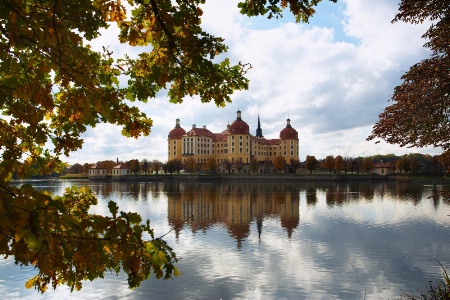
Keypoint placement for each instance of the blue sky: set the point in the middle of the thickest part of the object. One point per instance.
(331, 77)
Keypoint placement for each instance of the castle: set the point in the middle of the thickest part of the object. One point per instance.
(234, 144)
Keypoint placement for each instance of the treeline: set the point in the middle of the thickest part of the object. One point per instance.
(136, 167)
(414, 163)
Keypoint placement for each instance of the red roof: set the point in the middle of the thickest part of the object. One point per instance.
(220, 137)
(388, 165)
(121, 166)
(176, 133)
(238, 127)
(200, 132)
(98, 166)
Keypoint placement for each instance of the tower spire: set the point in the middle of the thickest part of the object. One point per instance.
(259, 130)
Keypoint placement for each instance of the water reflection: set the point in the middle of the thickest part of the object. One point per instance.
(233, 206)
(258, 240)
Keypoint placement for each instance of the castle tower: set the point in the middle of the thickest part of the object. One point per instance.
(259, 130)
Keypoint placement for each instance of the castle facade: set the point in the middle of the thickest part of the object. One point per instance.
(234, 144)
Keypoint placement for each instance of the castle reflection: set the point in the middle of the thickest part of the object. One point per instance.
(234, 206)
(239, 205)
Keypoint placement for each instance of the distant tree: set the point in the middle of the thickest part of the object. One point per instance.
(86, 168)
(190, 165)
(145, 166)
(444, 160)
(279, 164)
(267, 164)
(311, 163)
(108, 164)
(358, 163)
(339, 164)
(239, 165)
(177, 165)
(211, 165)
(170, 167)
(134, 166)
(227, 165)
(348, 164)
(402, 164)
(76, 169)
(294, 164)
(414, 165)
(436, 165)
(156, 166)
(367, 164)
(328, 163)
(254, 165)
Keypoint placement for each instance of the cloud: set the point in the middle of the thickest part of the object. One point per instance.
(332, 78)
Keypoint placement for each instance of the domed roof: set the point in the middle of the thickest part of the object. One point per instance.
(288, 133)
(177, 132)
(238, 126)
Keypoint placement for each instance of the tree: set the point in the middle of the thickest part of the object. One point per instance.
(211, 165)
(177, 165)
(367, 164)
(145, 166)
(134, 165)
(414, 165)
(420, 113)
(76, 169)
(239, 165)
(190, 165)
(311, 163)
(108, 164)
(169, 167)
(227, 165)
(156, 166)
(358, 163)
(279, 163)
(294, 164)
(254, 165)
(328, 163)
(339, 164)
(54, 86)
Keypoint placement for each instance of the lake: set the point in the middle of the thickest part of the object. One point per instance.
(263, 240)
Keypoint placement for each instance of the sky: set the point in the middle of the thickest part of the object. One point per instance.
(331, 77)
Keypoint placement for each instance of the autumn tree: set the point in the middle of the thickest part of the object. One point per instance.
(108, 164)
(420, 113)
(54, 86)
(328, 163)
(311, 163)
(211, 165)
(76, 169)
(339, 164)
(134, 166)
(279, 163)
(367, 164)
(86, 168)
(190, 165)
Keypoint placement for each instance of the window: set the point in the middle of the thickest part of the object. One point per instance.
(240, 137)
(240, 150)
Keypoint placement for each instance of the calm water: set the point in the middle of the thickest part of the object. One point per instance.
(273, 240)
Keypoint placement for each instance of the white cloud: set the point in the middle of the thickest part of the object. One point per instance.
(331, 77)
